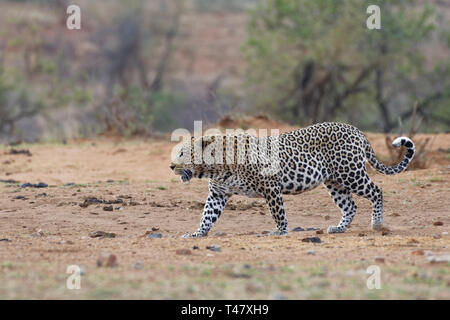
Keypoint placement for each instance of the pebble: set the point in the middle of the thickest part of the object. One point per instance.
(279, 296)
(312, 239)
(107, 260)
(37, 234)
(379, 259)
(108, 208)
(102, 234)
(412, 241)
(138, 266)
(299, 229)
(438, 223)
(152, 235)
(214, 247)
(184, 252)
(34, 185)
(439, 259)
(311, 252)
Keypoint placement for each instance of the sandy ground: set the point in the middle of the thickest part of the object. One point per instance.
(44, 230)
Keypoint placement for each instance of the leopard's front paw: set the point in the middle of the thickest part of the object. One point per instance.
(278, 233)
(196, 234)
(336, 229)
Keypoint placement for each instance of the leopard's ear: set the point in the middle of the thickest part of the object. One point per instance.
(206, 141)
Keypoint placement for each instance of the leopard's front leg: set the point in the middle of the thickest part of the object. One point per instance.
(214, 206)
(275, 202)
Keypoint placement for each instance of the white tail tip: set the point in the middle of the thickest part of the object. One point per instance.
(400, 141)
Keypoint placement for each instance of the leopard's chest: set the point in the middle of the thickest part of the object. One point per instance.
(235, 184)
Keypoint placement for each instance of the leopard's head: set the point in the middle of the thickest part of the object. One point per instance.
(194, 159)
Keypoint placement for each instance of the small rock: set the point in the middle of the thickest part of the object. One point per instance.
(379, 259)
(20, 151)
(436, 236)
(102, 234)
(184, 252)
(428, 253)
(240, 275)
(5, 240)
(108, 208)
(412, 241)
(312, 239)
(65, 242)
(279, 296)
(155, 228)
(107, 260)
(439, 259)
(298, 229)
(361, 234)
(265, 232)
(20, 198)
(87, 202)
(34, 185)
(444, 233)
(438, 223)
(152, 235)
(311, 252)
(418, 253)
(214, 247)
(37, 234)
(138, 266)
(319, 231)
(195, 248)
(10, 181)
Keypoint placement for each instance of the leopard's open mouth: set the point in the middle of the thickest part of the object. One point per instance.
(186, 176)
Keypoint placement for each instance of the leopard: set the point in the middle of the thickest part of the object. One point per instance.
(331, 153)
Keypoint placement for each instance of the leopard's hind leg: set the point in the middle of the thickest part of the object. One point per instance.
(343, 198)
(274, 200)
(361, 185)
(375, 194)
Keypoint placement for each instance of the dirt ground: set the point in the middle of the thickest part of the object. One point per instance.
(44, 230)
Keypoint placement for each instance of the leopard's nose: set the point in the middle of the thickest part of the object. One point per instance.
(172, 166)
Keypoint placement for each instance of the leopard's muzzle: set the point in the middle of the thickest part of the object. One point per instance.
(186, 174)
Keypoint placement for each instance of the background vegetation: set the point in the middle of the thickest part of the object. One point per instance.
(139, 67)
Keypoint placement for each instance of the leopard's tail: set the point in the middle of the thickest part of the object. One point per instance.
(400, 167)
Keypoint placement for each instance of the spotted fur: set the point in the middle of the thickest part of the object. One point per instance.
(330, 153)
